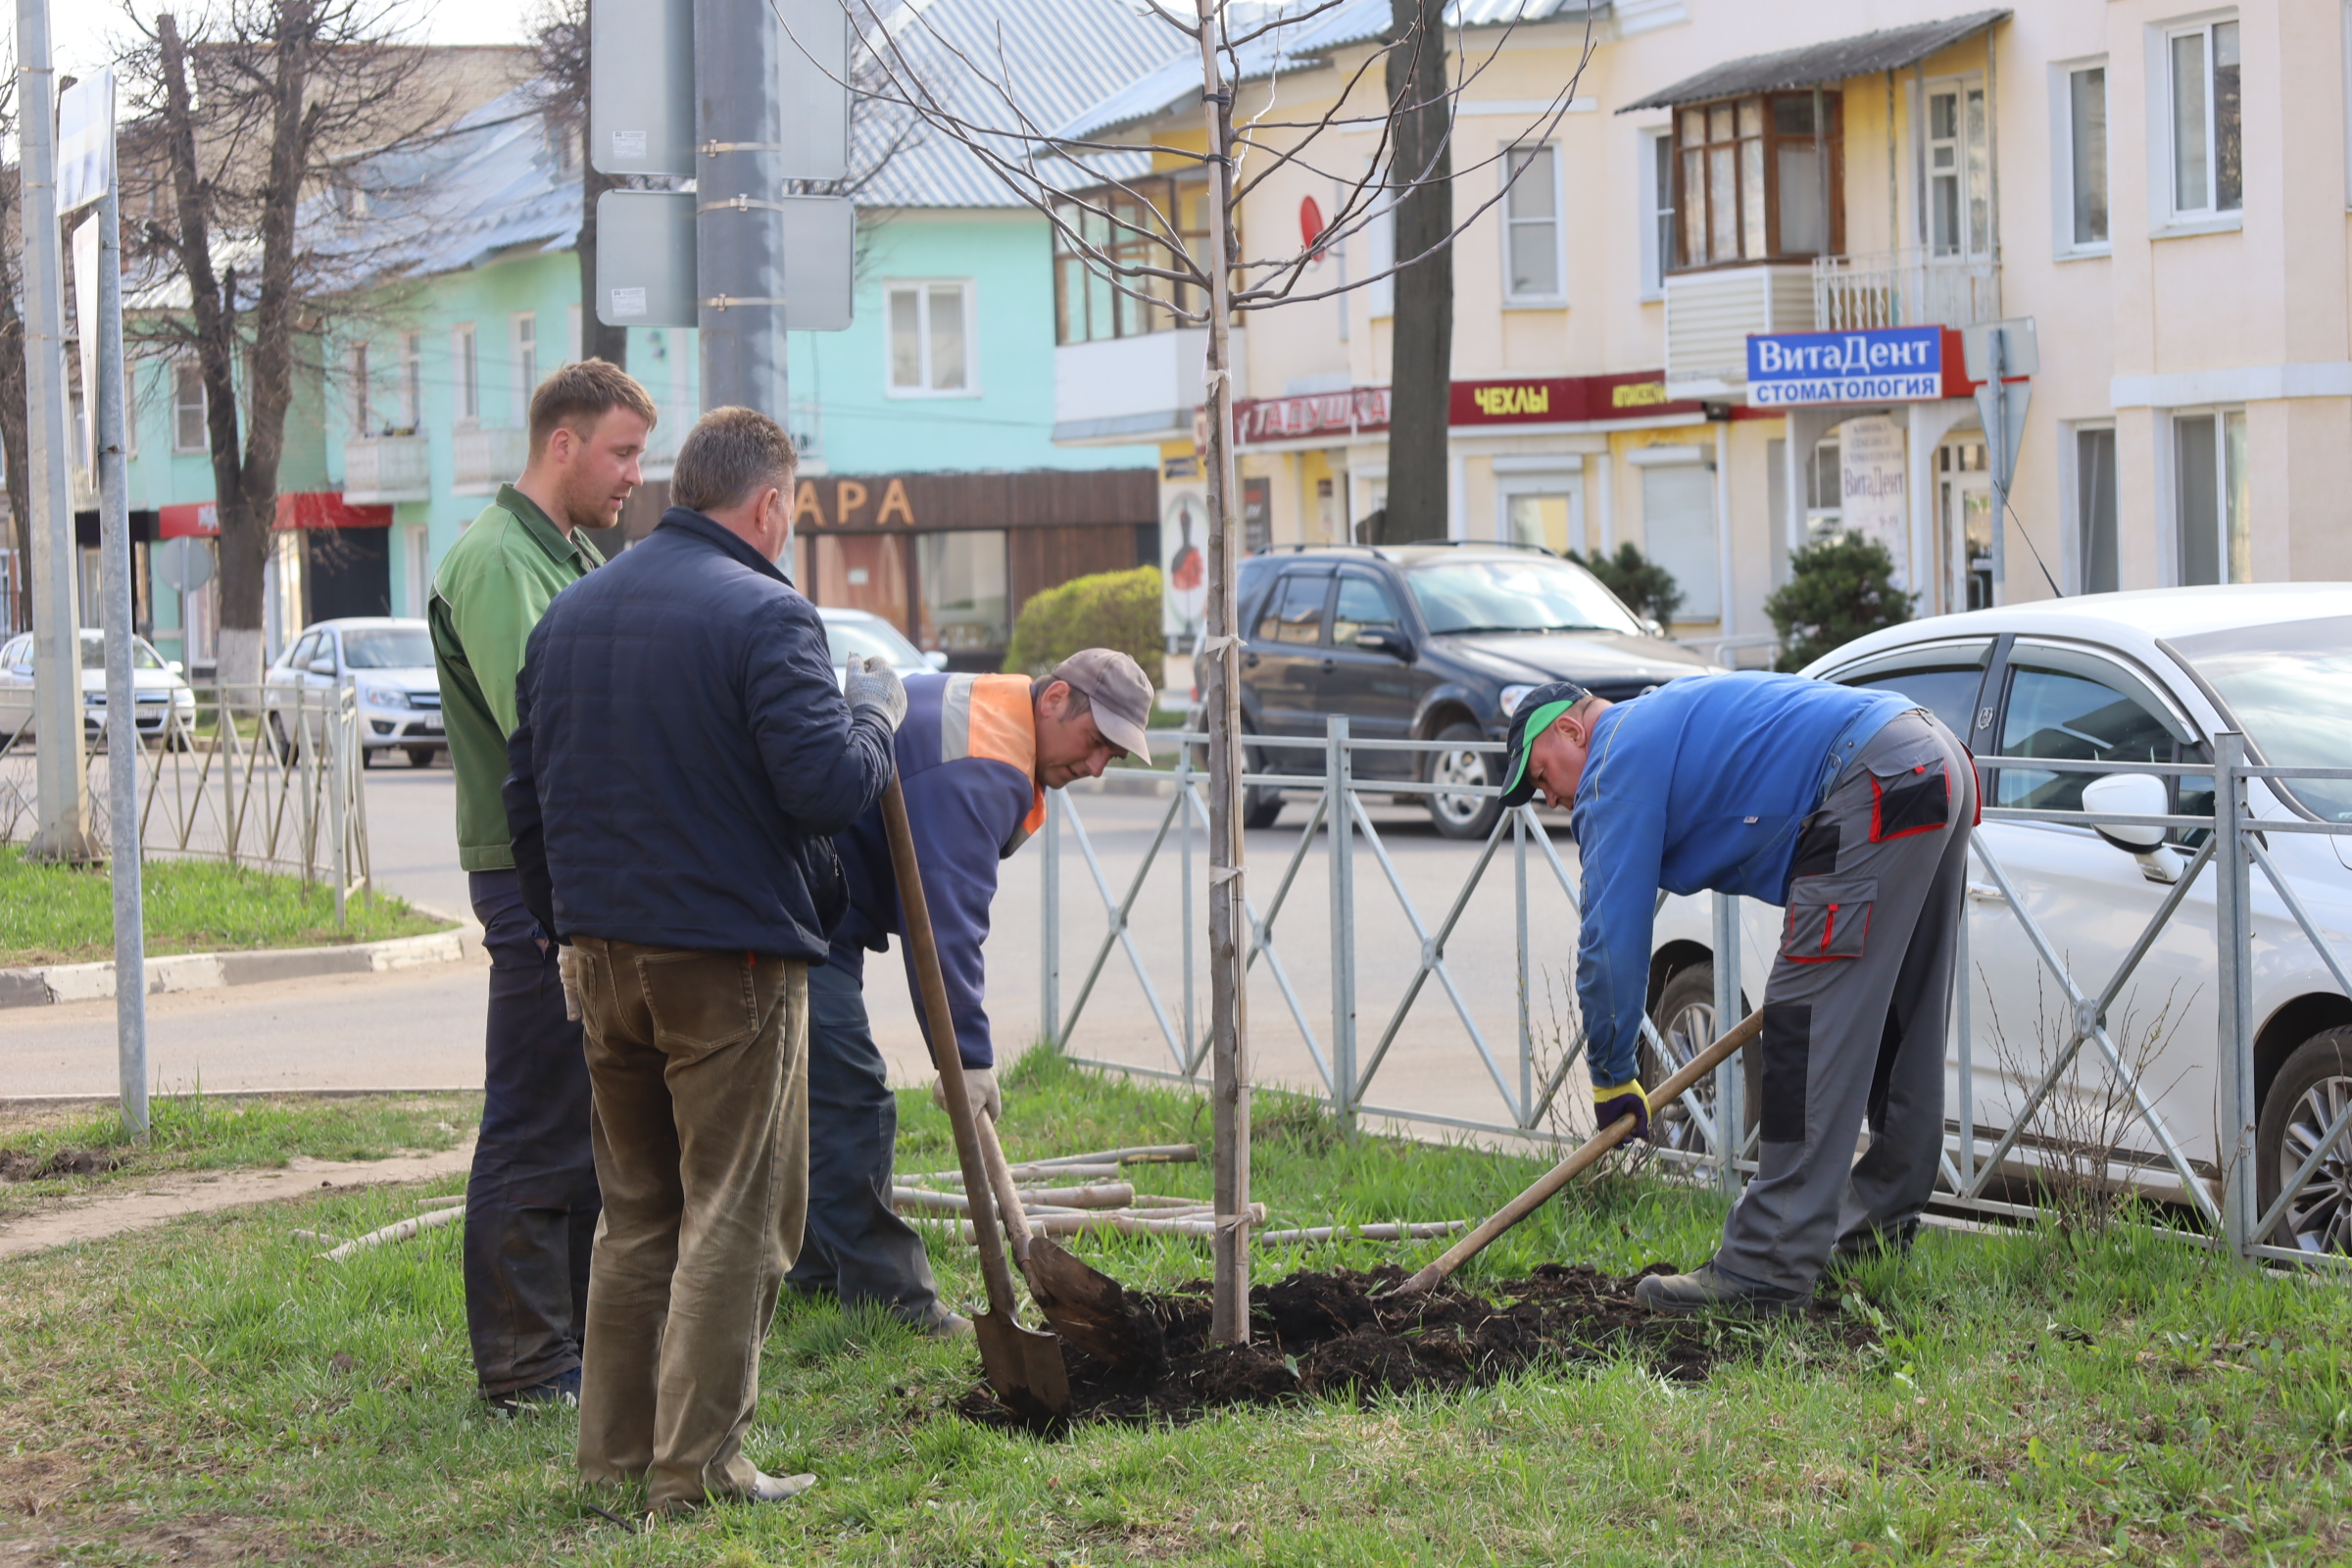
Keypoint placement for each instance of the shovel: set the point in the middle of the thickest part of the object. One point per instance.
(1567, 1170)
(1023, 1366)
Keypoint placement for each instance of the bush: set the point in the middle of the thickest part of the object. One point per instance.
(1647, 588)
(1110, 610)
(1839, 588)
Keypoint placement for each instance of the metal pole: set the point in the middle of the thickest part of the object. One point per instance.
(1341, 848)
(1968, 1056)
(739, 223)
(338, 801)
(121, 689)
(1183, 858)
(1730, 1099)
(63, 830)
(1050, 980)
(1997, 342)
(2234, 1057)
(1527, 1034)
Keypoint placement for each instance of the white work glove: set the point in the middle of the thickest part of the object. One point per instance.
(568, 965)
(872, 683)
(980, 1083)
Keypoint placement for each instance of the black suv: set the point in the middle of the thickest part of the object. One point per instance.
(1426, 642)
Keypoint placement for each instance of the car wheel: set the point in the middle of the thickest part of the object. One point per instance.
(1685, 1017)
(2309, 1093)
(1464, 817)
(279, 742)
(421, 755)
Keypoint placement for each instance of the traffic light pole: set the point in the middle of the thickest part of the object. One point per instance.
(739, 221)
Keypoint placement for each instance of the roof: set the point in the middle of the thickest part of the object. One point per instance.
(1815, 64)
(2131, 620)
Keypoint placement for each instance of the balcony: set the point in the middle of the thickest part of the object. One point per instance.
(1905, 288)
(487, 456)
(380, 468)
(1118, 391)
(1710, 314)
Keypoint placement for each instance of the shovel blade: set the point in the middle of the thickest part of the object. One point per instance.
(1090, 1309)
(1023, 1366)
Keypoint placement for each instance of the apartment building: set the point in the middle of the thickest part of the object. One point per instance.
(2157, 191)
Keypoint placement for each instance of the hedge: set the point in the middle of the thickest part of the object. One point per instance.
(1110, 610)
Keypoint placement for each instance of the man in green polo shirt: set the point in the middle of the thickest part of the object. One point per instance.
(531, 1204)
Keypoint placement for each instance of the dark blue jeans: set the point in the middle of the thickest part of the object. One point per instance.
(531, 1204)
(854, 1246)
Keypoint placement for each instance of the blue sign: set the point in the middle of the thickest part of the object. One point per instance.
(1877, 365)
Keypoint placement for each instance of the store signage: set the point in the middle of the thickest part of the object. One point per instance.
(1535, 399)
(1364, 408)
(311, 508)
(849, 510)
(1880, 365)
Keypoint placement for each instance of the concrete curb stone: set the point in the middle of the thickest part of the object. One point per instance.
(49, 984)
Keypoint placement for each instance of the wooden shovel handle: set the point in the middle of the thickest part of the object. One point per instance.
(915, 916)
(1567, 1170)
(1009, 1193)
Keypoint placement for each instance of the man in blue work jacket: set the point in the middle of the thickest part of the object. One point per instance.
(1853, 810)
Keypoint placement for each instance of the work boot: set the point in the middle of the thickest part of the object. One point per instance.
(944, 1324)
(559, 1393)
(1707, 1289)
(777, 1489)
(1869, 1246)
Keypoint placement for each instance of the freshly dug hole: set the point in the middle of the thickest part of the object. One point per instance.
(1316, 1334)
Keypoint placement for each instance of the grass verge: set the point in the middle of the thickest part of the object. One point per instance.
(66, 914)
(211, 1390)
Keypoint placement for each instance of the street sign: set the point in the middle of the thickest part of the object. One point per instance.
(86, 140)
(641, 88)
(1877, 365)
(646, 257)
(181, 564)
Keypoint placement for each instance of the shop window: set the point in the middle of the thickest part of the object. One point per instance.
(2082, 161)
(1127, 227)
(930, 339)
(1258, 514)
(2210, 502)
(187, 406)
(1959, 173)
(2095, 556)
(1751, 182)
(2208, 174)
(1825, 489)
(863, 571)
(1532, 247)
(961, 576)
(1678, 517)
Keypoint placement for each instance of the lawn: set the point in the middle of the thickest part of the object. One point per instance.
(212, 1390)
(66, 914)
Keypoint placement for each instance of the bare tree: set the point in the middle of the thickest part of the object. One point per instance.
(1421, 332)
(13, 431)
(560, 45)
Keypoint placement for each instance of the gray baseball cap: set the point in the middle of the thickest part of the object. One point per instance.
(1120, 692)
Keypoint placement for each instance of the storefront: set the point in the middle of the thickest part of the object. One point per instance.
(327, 559)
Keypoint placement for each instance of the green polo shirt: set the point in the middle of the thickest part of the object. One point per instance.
(491, 590)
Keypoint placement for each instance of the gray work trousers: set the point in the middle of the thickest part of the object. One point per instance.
(1855, 1013)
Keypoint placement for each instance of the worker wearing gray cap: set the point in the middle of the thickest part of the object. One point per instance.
(976, 755)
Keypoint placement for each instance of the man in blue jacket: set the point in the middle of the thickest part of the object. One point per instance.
(1852, 808)
(682, 758)
(975, 756)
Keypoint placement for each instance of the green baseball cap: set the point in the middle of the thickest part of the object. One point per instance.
(1534, 715)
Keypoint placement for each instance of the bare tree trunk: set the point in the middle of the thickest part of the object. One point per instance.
(13, 431)
(1421, 352)
(597, 340)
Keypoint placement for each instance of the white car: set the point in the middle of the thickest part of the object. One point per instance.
(2146, 676)
(166, 706)
(859, 632)
(388, 661)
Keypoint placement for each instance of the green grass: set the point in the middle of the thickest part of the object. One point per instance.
(2028, 1398)
(66, 914)
(194, 1132)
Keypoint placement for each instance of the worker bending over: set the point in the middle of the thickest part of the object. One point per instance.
(1851, 808)
(975, 757)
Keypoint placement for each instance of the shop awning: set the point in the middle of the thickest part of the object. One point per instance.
(1821, 64)
(308, 509)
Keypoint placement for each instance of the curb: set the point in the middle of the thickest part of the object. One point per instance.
(23, 1103)
(54, 983)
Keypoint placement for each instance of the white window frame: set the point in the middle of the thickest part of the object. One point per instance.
(2175, 560)
(921, 288)
(2064, 246)
(1649, 141)
(2171, 218)
(466, 373)
(1958, 88)
(189, 367)
(2073, 569)
(1557, 296)
(522, 348)
(1565, 479)
(411, 381)
(360, 391)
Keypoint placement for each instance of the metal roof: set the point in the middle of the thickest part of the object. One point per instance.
(1817, 63)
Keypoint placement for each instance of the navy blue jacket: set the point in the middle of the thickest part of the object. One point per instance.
(1703, 783)
(967, 760)
(682, 755)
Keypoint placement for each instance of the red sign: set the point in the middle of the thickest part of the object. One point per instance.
(1542, 400)
(1358, 409)
(309, 508)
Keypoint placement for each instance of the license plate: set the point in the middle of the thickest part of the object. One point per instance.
(429, 727)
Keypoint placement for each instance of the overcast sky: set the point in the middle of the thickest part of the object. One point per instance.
(79, 29)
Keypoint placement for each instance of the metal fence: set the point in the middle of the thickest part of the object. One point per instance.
(259, 776)
(1526, 1079)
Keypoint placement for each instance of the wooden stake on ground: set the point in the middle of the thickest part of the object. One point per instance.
(399, 1232)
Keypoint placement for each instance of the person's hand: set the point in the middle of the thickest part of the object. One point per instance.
(980, 1083)
(1610, 1104)
(567, 967)
(872, 683)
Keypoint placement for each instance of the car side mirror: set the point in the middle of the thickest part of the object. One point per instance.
(2129, 795)
(177, 667)
(1384, 640)
(936, 659)
(322, 667)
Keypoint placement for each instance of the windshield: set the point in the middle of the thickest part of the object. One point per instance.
(1535, 594)
(870, 638)
(388, 648)
(93, 655)
(2291, 685)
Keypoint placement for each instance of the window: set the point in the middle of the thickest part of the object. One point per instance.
(2209, 481)
(1531, 225)
(2081, 708)
(1295, 613)
(1959, 173)
(1942, 680)
(1119, 225)
(412, 380)
(1825, 489)
(355, 374)
(1257, 513)
(1678, 515)
(1753, 184)
(1364, 606)
(467, 370)
(930, 339)
(1655, 177)
(2083, 216)
(964, 606)
(525, 330)
(2208, 176)
(2095, 553)
(188, 420)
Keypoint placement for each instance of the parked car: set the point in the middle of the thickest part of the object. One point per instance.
(2126, 677)
(165, 704)
(1426, 642)
(857, 631)
(388, 661)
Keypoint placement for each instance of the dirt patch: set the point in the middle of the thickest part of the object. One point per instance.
(1323, 1334)
(19, 1166)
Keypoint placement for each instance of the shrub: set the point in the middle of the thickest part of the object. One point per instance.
(1839, 588)
(1647, 588)
(1110, 610)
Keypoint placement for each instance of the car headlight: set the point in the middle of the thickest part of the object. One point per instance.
(1512, 696)
(383, 697)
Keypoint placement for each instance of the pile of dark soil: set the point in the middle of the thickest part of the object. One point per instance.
(16, 1166)
(1322, 1334)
